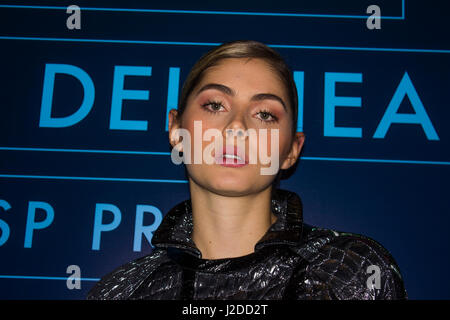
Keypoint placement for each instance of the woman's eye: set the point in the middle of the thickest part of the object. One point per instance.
(266, 116)
(213, 106)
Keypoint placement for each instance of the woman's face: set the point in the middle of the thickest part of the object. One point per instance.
(239, 95)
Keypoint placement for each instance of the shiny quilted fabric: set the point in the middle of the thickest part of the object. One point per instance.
(292, 261)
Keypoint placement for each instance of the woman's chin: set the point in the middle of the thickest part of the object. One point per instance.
(236, 184)
(227, 186)
(225, 192)
(231, 182)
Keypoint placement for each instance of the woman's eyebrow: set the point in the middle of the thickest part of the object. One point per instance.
(231, 92)
(217, 86)
(268, 96)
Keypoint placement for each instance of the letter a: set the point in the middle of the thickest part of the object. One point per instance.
(74, 280)
(374, 21)
(73, 21)
(406, 88)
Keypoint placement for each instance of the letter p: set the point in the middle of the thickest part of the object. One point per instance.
(99, 227)
(32, 224)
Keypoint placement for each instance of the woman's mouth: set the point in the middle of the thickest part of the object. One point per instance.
(231, 156)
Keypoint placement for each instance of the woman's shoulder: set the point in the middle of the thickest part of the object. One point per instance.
(320, 239)
(350, 265)
(124, 280)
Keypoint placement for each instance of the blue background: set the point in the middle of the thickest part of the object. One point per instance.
(392, 189)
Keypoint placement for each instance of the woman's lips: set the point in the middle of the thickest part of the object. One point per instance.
(231, 156)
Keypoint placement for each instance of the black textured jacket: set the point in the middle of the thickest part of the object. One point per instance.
(291, 261)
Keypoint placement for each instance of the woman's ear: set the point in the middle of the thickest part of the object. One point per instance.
(174, 125)
(294, 153)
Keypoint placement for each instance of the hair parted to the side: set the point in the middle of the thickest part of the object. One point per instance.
(242, 49)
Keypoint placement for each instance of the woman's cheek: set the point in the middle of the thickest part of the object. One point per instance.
(278, 145)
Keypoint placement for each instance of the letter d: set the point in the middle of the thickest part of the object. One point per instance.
(47, 96)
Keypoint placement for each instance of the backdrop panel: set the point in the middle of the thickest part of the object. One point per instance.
(85, 168)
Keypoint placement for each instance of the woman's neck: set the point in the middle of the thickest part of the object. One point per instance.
(227, 227)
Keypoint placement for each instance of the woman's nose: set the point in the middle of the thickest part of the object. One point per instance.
(240, 133)
(236, 126)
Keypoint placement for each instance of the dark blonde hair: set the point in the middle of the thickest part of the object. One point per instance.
(242, 49)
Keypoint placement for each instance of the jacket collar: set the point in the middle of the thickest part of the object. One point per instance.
(176, 227)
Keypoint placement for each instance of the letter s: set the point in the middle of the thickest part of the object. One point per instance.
(3, 225)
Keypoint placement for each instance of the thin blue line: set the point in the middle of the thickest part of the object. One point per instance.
(87, 151)
(359, 48)
(46, 278)
(216, 44)
(403, 9)
(377, 160)
(168, 154)
(273, 14)
(180, 43)
(20, 176)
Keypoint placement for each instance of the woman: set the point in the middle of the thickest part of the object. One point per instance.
(239, 237)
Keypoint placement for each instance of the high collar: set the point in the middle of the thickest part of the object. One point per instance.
(176, 227)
